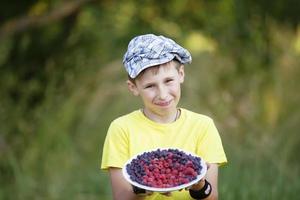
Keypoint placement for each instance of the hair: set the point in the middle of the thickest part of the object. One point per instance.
(177, 66)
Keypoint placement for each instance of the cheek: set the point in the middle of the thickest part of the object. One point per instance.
(175, 88)
(148, 95)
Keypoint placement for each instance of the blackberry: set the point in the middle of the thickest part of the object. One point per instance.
(164, 168)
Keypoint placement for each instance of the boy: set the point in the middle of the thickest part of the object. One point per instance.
(155, 67)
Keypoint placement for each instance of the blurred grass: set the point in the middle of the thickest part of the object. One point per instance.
(257, 115)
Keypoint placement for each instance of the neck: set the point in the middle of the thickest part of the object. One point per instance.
(167, 118)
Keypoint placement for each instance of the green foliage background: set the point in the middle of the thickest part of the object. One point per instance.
(62, 82)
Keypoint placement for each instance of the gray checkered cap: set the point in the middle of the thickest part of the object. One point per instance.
(149, 50)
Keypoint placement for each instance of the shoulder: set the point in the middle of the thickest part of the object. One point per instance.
(190, 115)
(127, 118)
(122, 124)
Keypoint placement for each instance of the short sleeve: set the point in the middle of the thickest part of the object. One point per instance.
(115, 148)
(210, 146)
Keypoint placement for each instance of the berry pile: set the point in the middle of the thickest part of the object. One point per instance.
(164, 168)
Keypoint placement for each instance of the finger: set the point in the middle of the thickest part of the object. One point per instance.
(167, 194)
(208, 165)
(149, 193)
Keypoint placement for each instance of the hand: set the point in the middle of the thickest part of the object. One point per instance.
(168, 194)
(139, 191)
(199, 185)
(143, 192)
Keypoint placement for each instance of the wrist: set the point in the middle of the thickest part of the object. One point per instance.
(202, 193)
(138, 191)
(199, 185)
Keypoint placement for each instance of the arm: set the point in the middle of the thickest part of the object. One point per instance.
(121, 189)
(212, 178)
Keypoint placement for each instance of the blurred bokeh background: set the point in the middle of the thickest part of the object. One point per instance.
(62, 82)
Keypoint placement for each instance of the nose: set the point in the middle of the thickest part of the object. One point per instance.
(162, 92)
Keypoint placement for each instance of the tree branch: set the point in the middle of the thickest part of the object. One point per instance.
(22, 24)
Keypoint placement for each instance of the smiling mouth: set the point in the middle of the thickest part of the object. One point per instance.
(165, 103)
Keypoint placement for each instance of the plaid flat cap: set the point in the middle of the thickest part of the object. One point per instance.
(149, 50)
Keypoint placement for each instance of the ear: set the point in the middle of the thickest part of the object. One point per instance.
(181, 73)
(132, 88)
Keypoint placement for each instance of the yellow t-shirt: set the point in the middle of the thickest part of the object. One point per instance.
(134, 133)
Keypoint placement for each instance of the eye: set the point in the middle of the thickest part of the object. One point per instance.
(149, 86)
(169, 80)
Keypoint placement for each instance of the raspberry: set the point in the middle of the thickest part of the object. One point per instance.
(164, 168)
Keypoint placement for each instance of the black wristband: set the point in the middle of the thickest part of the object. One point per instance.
(137, 190)
(203, 192)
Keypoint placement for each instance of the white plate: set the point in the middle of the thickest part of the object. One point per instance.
(154, 189)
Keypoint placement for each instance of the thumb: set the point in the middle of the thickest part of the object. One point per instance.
(208, 165)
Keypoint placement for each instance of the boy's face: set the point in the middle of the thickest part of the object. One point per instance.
(159, 87)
